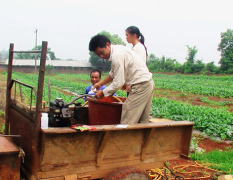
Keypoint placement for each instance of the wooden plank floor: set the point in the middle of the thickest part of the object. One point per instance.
(159, 120)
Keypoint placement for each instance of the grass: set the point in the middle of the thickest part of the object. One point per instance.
(211, 121)
(218, 103)
(2, 114)
(195, 140)
(2, 125)
(219, 160)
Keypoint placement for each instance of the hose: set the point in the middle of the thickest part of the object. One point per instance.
(118, 99)
(80, 96)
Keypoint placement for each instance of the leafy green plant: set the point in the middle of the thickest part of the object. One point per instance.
(212, 121)
(220, 160)
(195, 140)
(3, 128)
(220, 86)
(2, 114)
(183, 94)
(165, 92)
(224, 103)
(205, 99)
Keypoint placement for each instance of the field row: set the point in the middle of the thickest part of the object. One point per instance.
(212, 121)
(220, 86)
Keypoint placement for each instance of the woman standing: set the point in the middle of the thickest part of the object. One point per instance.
(134, 37)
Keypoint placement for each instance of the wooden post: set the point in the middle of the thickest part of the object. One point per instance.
(37, 125)
(8, 90)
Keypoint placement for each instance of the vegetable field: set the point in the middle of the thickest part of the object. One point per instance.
(216, 121)
(221, 86)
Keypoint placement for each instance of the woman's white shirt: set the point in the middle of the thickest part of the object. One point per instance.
(139, 48)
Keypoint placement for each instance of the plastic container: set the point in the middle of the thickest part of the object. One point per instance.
(44, 121)
(105, 111)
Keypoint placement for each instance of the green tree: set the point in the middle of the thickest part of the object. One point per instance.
(99, 63)
(154, 64)
(212, 68)
(179, 68)
(226, 49)
(192, 65)
(198, 67)
(161, 65)
(50, 54)
(170, 64)
(192, 52)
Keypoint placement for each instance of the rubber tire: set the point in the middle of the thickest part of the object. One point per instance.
(128, 173)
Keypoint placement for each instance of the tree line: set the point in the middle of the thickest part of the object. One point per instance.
(192, 64)
(163, 64)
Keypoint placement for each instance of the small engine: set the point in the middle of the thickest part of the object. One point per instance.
(59, 113)
(61, 116)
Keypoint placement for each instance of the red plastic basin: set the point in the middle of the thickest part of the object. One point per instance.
(105, 111)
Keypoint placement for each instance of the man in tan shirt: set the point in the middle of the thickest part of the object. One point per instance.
(126, 68)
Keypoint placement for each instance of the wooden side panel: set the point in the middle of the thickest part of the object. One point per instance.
(21, 125)
(67, 150)
(164, 141)
(9, 160)
(9, 166)
(96, 153)
(186, 140)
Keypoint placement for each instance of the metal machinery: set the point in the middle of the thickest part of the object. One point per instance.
(64, 153)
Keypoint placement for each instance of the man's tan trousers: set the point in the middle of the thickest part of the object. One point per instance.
(137, 107)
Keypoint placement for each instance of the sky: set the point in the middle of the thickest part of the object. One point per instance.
(68, 25)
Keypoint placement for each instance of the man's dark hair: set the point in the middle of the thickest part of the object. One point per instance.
(98, 41)
(96, 71)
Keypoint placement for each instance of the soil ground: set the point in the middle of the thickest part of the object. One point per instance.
(203, 142)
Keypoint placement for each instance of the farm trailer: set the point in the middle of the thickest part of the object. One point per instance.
(65, 153)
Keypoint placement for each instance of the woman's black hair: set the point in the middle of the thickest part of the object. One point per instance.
(135, 30)
(96, 70)
(98, 41)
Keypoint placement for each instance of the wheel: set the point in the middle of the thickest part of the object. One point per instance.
(128, 173)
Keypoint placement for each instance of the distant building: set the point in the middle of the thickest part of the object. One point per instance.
(61, 66)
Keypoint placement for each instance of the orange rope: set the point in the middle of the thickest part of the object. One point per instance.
(161, 173)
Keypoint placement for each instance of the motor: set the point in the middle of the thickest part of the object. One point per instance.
(60, 114)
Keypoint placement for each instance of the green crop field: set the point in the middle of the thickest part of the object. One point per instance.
(221, 86)
(212, 121)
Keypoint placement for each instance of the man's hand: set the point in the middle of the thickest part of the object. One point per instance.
(99, 94)
(96, 86)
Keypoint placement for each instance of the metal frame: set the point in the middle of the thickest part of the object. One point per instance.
(58, 153)
(36, 127)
